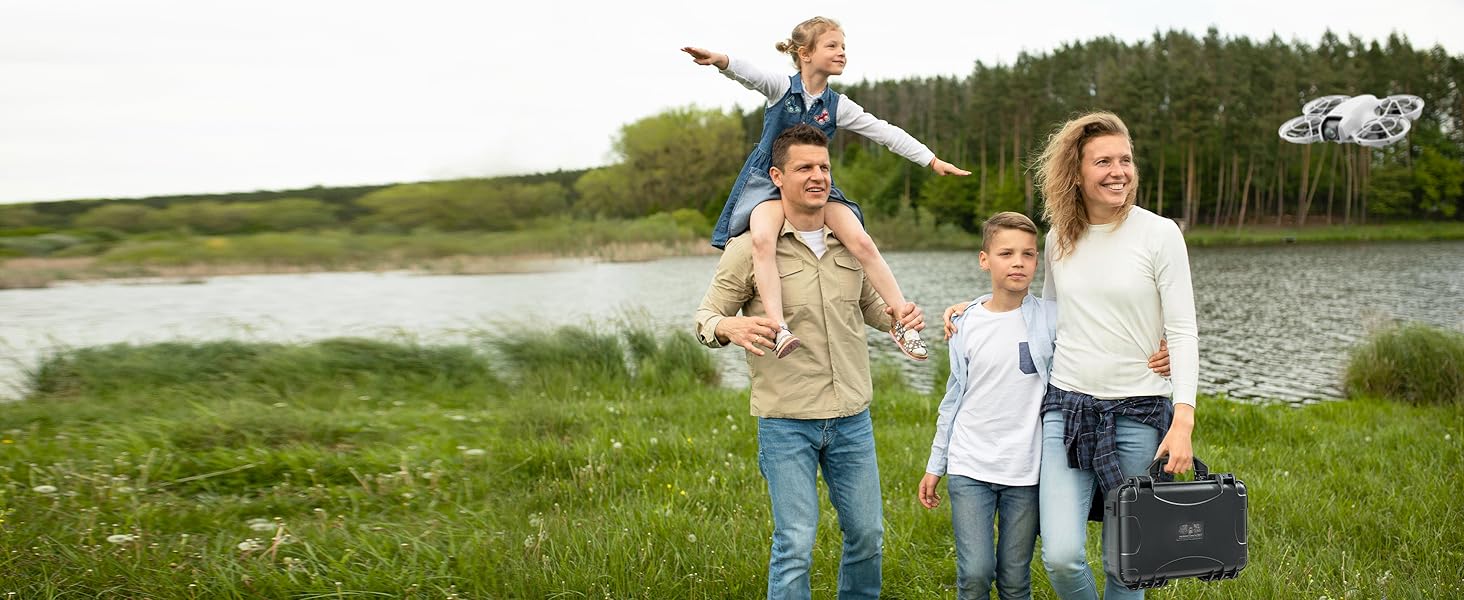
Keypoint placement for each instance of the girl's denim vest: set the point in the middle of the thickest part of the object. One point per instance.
(754, 186)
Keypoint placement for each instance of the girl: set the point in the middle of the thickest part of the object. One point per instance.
(817, 49)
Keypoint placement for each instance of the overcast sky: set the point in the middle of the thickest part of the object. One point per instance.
(100, 98)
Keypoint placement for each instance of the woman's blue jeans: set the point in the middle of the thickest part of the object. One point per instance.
(1066, 495)
(790, 453)
(982, 556)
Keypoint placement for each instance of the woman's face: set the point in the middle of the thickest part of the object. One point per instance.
(1106, 172)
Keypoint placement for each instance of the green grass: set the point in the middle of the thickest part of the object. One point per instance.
(574, 463)
(1412, 363)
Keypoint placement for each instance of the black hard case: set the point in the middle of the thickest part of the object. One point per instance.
(1161, 530)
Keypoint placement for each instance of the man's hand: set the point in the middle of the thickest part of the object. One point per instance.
(703, 56)
(911, 317)
(748, 332)
(928, 498)
(950, 313)
(944, 168)
(1159, 361)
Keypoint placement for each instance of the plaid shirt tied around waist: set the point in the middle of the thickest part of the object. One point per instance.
(1090, 430)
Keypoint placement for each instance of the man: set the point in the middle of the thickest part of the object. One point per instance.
(813, 406)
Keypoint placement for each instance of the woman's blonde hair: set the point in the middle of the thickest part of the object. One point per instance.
(804, 35)
(1058, 173)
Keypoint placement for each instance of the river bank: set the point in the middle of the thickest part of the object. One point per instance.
(185, 258)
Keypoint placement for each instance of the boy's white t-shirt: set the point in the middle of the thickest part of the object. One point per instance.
(997, 435)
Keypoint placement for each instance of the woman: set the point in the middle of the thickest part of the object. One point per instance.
(1120, 275)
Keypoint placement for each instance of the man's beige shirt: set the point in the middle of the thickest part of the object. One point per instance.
(827, 301)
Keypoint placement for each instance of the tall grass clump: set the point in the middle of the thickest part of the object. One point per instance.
(1414, 363)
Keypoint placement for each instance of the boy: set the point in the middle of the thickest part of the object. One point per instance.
(988, 434)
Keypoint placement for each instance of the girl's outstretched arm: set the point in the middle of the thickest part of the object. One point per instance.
(702, 56)
(944, 168)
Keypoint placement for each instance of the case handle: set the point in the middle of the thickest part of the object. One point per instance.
(1201, 471)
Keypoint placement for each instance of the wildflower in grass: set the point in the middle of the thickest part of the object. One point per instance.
(474, 452)
(251, 545)
(616, 445)
(121, 538)
(655, 441)
(457, 417)
(712, 480)
(262, 526)
(44, 489)
(691, 537)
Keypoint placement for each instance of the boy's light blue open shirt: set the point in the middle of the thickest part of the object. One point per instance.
(1041, 319)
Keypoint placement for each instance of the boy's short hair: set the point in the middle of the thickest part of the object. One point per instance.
(1005, 220)
(801, 134)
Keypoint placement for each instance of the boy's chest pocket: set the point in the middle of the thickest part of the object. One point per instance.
(1024, 359)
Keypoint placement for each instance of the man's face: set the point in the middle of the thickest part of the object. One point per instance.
(805, 178)
(1011, 256)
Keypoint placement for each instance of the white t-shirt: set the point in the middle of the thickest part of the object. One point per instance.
(815, 241)
(1121, 289)
(997, 435)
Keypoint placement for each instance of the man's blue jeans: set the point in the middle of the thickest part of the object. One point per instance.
(980, 555)
(1065, 497)
(790, 453)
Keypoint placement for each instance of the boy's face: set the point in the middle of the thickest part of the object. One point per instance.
(1011, 257)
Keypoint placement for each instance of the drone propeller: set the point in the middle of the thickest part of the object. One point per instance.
(1304, 129)
(1401, 105)
(1320, 106)
(1382, 131)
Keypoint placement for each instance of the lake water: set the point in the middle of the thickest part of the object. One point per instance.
(1275, 322)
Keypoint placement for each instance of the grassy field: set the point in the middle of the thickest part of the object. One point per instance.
(575, 464)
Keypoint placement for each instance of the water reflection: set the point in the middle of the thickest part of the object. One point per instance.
(1275, 322)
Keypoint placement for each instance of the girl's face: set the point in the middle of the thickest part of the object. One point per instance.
(826, 54)
(1107, 172)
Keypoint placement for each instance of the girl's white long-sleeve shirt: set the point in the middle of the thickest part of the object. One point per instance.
(851, 117)
(1122, 288)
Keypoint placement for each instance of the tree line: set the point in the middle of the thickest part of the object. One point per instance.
(1203, 113)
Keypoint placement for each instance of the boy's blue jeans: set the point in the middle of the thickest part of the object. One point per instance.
(982, 556)
(1065, 496)
(790, 453)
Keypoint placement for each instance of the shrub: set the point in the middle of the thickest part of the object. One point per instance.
(1414, 363)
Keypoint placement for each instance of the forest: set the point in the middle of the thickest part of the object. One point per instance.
(1203, 112)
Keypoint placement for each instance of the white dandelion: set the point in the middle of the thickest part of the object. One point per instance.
(474, 452)
(251, 545)
(262, 526)
(121, 538)
(44, 489)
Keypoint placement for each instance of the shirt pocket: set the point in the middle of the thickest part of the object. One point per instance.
(1024, 359)
(849, 278)
(793, 277)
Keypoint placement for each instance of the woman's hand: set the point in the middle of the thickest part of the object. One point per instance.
(950, 313)
(928, 498)
(1159, 361)
(1176, 443)
(944, 168)
(702, 56)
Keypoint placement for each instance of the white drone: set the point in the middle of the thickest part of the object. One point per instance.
(1363, 120)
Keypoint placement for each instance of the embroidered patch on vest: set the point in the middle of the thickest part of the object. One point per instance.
(791, 105)
(822, 117)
